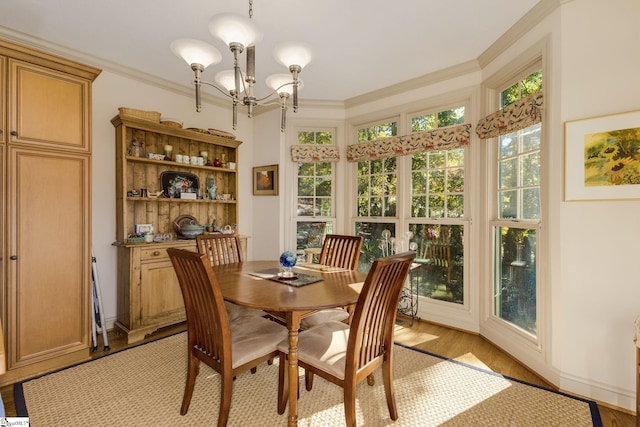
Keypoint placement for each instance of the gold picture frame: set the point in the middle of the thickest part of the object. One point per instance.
(265, 180)
(601, 157)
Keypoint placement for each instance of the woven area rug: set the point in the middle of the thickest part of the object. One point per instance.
(143, 386)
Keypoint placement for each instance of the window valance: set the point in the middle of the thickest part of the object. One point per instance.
(309, 153)
(519, 115)
(436, 139)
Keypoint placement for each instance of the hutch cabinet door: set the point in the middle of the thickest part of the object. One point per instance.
(48, 107)
(161, 301)
(49, 266)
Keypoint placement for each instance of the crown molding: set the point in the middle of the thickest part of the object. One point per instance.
(519, 29)
(409, 85)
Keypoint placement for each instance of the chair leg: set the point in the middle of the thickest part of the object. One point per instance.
(350, 404)
(226, 389)
(192, 373)
(371, 380)
(387, 375)
(254, 370)
(308, 379)
(283, 385)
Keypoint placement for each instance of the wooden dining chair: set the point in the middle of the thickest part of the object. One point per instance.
(340, 251)
(223, 249)
(347, 354)
(230, 348)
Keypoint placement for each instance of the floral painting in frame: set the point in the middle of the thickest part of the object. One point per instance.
(602, 157)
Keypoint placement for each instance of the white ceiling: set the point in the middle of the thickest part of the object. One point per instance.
(359, 45)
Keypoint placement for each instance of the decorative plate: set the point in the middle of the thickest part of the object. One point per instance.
(178, 180)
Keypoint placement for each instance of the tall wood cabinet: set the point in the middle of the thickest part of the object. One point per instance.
(45, 209)
(148, 293)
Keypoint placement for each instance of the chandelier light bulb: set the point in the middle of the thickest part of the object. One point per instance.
(275, 81)
(232, 28)
(196, 52)
(226, 79)
(293, 53)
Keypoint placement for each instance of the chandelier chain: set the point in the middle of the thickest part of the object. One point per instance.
(250, 9)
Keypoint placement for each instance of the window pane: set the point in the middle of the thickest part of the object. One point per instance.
(455, 206)
(440, 253)
(451, 117)
(508, 145)
(374, 244)
(455, 180)
(305, 169)
(418, 207)
(515, 290)
(531, 203)
(325, 207)
(418, 161)
(323, 187)
(305, 186)
(531, 138)
(530, 167)
(508, 204)
(305, 206)
(418, 183)
(508, 173)
(363, 206)
(311, 235)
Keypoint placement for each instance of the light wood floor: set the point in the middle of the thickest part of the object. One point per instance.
(447, 342)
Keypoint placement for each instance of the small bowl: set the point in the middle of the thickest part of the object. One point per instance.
(154, 194)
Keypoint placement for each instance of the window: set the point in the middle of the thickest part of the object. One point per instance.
(437, 211)
(315, 213)
(518, 215)
(376, 196)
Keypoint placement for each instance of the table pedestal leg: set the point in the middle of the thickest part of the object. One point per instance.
(293, 323)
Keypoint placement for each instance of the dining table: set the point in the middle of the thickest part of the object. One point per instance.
(258, 284)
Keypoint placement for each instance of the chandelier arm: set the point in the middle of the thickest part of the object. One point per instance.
(222, 91)
(274, 92)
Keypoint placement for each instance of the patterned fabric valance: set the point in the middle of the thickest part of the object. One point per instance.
(519, 115)
(309, 153)
(437, 139)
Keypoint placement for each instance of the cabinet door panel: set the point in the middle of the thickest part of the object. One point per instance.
(48, 108)
(161, 301)
(49, 284)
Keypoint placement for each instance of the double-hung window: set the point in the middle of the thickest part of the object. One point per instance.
(377, 193)
(517, 213)
(437, 207)
(315, 200)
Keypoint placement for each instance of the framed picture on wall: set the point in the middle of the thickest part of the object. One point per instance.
(265, 180)
(602, 157)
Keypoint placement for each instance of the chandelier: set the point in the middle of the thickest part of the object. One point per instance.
(240, 34)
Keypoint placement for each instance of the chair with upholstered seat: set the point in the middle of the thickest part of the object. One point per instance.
(223, 249)
(230, 348)
(347, 354)
(339, 251)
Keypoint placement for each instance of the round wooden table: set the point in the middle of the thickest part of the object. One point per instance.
(337, 288)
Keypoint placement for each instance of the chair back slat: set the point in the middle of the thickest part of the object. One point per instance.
(375, 313)
(341, 251)
(207, 321)
(220, 249)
